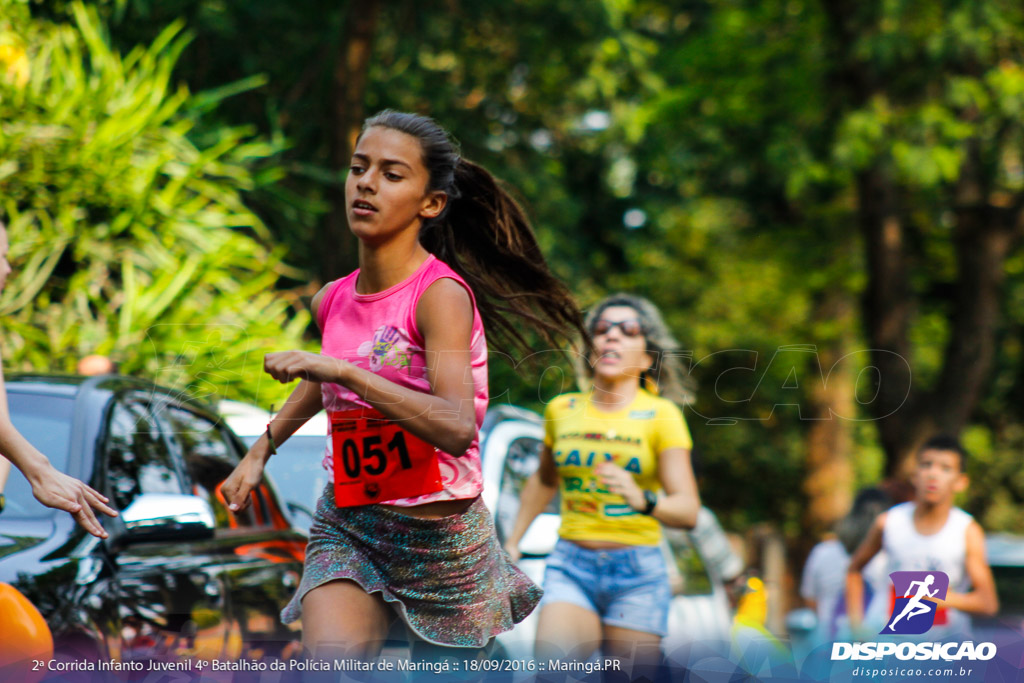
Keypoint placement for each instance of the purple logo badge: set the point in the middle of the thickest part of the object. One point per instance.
(913, 612)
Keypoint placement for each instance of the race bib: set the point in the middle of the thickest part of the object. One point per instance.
(941, 613)
(376, 460)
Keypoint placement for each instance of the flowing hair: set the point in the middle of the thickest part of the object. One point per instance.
(667, 376)
(484, 236)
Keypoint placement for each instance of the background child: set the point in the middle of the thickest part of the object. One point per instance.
(929, 533)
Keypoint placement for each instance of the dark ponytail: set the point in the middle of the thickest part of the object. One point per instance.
(484, 236)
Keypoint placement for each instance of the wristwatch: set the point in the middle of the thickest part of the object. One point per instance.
(3, 502)
(651, 498)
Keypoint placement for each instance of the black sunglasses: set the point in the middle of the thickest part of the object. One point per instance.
(630, 328)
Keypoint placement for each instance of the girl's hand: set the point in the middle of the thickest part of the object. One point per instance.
(288, 366)
(57, 490)
(619, 481)
(238, 487)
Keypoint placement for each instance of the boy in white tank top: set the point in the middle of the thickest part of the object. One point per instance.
(929, 533)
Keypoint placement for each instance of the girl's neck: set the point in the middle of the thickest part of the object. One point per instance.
(385, 265)
(611, 395)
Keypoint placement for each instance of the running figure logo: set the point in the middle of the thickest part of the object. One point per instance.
(913, 612)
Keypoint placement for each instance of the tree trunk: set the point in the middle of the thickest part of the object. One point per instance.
(887, 309)
(339, 252)
(829, 442)
(983, 238)
(905, 412)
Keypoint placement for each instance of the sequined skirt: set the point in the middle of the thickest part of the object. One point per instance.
(448, 578)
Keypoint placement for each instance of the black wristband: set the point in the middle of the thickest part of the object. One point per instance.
(652, 502)
(270, 438)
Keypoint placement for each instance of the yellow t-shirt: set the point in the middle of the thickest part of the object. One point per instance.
(580, 437)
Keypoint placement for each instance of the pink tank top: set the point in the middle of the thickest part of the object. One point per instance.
(378, 332)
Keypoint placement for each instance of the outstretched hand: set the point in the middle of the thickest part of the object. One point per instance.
(57, 490)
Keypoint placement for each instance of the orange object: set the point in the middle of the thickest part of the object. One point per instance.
(24, 637)
(941, 613)
(276, 551)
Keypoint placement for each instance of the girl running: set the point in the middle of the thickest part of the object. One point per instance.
(444, 252)
(610, 449)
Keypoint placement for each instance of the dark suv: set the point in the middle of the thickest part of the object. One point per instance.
(180, 575)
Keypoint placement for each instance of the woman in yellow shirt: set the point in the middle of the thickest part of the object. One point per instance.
(619, 452)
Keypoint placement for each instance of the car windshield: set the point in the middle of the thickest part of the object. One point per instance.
(45, 421)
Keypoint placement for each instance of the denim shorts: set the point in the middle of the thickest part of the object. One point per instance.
(625, 587)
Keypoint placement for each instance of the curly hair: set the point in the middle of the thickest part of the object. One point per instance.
(667, 375)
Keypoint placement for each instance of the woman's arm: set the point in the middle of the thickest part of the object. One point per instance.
(681, 504)
(538, 491)
(444, 418)
(304, 403)
(51, 487)
(982, 599)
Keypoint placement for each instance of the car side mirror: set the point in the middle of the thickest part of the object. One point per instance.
(165, 517)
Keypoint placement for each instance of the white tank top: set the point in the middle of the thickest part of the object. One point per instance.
(945, 551)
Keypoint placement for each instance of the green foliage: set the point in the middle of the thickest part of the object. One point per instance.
(128, 237)
(761, 123)
(725, 129)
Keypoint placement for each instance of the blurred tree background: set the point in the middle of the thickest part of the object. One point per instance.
(127, 221)
(825, 198)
